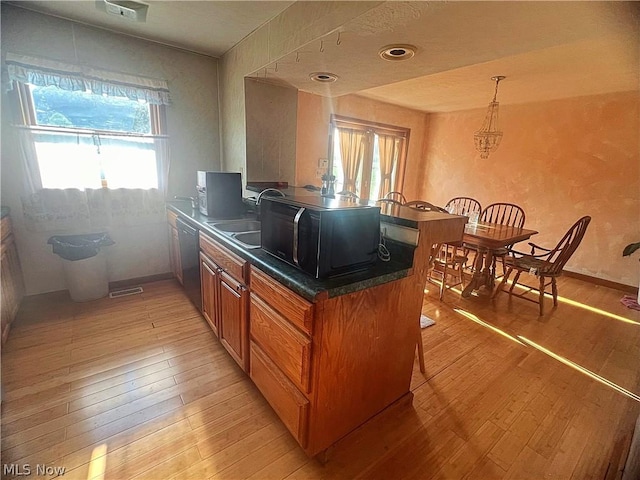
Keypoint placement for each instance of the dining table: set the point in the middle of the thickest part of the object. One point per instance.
(487, 239)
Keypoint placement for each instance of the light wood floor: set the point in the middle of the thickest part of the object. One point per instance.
(138, 387)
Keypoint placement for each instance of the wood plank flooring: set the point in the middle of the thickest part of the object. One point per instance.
(138, 387)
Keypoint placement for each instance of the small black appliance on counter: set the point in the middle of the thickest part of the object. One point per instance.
(220, 194)
(321, 236)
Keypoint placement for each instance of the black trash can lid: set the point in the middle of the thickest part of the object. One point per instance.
(79, 247)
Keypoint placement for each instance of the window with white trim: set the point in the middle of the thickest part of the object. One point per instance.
(84, 140)
(82, 127)
(367, 158)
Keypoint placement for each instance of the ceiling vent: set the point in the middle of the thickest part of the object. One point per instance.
(133, 11)
(397, 52)
(323, 77)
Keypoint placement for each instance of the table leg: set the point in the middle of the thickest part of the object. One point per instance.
(489, 277)
(477, 278)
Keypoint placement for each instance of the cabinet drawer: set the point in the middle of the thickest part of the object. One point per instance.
(290, 305)
(289, 349)
(227, 260)
(171, 218)
(291, 406)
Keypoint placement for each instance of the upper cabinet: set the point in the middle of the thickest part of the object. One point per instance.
(271, 115)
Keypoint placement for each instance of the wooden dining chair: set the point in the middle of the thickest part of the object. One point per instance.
(424, 206)
(545, 265)
(502, 214)
(389, 201)
(348, 196)
(398, 196)
(451, 258)
(465, 206)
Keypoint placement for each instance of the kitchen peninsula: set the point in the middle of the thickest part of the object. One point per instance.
(326, 354)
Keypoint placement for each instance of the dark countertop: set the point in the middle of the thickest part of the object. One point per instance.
(305, 285)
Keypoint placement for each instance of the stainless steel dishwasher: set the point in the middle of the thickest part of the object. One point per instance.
(189, 257)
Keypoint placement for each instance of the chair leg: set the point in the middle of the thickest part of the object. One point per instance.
(554, 290)
(423, 369)
(515, 280)
(502, 283)
(541, 298)
(443, 285)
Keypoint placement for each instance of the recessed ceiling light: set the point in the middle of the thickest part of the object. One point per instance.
(323, 77)
(397, 52)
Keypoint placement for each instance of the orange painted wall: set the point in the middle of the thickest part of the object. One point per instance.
(559, 160)
(314, 113)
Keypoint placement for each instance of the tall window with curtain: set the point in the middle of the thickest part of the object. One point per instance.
(367, 158)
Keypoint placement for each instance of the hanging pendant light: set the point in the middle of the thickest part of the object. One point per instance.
(488, 137)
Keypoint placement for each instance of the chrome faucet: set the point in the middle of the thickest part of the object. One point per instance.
(274, 190)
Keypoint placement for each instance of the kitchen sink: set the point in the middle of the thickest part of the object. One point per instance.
(236, 226)
(244, 232)
(248, 239)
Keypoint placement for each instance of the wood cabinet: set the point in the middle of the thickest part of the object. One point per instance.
(10, 277)
(291, 406)
(281, 351)
(225, 297)
(174, 246)
(209, 284)
(328, 365)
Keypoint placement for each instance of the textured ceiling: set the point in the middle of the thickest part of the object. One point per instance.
(547, 50)
(207, 27)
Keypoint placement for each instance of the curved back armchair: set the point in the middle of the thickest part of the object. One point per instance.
(463, 206)
(397, 196)
(503, 214)
(547, 264)
(389, 201)
(348, 196)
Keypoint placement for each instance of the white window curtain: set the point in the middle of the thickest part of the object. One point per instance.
(72, 210)
(45, 72)
(51, 154)
(29, 157)
(389, 148)
(352, 146)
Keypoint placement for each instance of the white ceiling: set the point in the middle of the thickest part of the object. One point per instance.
(547, 50)
(207, 27)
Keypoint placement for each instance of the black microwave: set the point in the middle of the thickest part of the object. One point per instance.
(321, 236)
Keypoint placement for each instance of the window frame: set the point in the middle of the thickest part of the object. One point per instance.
(25, 114)
(371, 128)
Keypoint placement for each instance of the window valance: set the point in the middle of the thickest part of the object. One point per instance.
(45, 72)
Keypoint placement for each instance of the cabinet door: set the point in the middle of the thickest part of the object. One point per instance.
(234, 298)
(209, 283)
(7, 295)
(176, 264)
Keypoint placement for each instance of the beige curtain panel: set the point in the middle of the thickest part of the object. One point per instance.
(352, 146)
(389, 147)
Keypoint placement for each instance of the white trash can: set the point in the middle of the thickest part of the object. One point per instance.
(84, 264)
(87, 279)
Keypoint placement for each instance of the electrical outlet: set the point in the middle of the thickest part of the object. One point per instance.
(323, 163)
(320, 172)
